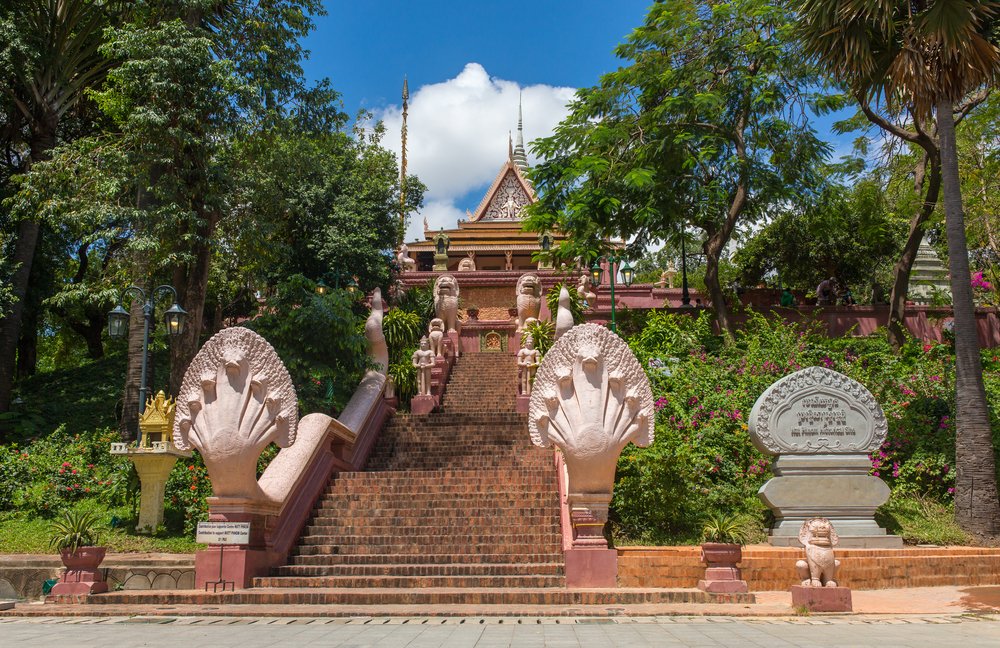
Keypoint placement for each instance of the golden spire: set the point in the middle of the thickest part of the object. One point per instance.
(402, 165)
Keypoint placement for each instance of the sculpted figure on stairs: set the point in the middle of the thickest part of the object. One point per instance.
(527, 363)
(423, 360)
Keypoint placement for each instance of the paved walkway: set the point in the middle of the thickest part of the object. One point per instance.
(406, 632)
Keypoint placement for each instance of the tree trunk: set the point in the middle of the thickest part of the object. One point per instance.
(977, 507)
(901, 271)
(713, 250)
(192, 289)
(129, 424)
(43, 140)
(27, 344)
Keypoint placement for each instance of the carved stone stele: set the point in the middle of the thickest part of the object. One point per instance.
(590, 398)
(822, 425)
(235, 400)
(529, 299)
(817, 410)
(446, 301)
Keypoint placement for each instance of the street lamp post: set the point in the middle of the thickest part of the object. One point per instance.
(352, 285)
(596, 273)
(118, 320)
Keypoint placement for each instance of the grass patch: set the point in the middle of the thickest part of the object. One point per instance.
(920, 520)
(24, 533)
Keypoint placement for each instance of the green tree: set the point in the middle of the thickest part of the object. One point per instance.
(847, 233)
(929, 54)
(49, 60)
(706, 125)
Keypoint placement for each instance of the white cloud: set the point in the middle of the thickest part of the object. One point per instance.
(457, 136)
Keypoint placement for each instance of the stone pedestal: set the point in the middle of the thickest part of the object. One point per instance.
(154, 470)
(591, 567)
(836, 486)
(422, 404)
(522, 404)
(822, 599)
(723, 580)
(153, 462)
(82, 575)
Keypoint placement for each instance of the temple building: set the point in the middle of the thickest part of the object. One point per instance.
(490, 239)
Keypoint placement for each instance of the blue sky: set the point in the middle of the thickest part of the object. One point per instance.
(467, 63)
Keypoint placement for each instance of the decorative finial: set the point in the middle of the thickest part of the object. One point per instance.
(510, 147)
(402, 164)
(519, 156)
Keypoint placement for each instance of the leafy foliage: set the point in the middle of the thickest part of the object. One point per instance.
(542, 333)
(702, 461)
(728, 528)
(320, 340)
(74, 529)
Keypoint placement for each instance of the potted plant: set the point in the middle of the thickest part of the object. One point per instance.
(723, 536)
(75, 536)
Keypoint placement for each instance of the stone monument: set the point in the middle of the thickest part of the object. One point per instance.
(406, 264)
(928, 275)
(590, 399)
(236, 399)
(819, 591)
(821, 426)
(423, 360)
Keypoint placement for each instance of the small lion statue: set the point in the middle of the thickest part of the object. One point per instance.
(446, 301)
(435, 334)
(529, 299)
(820, 567)
(467, 265)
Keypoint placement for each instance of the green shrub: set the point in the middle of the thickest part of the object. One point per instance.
(702, 461)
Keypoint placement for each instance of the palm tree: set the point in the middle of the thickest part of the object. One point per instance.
(56, 60)
(928, 54)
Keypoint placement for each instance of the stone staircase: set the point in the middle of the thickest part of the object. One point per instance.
(456, 508)
(453, 499)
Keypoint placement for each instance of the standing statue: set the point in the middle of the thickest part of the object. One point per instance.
(583, 289)
(435, 333)
(446, 301)
(529, 299)
(423, 360)
(527, 364)
(406, 264)
(820, 567)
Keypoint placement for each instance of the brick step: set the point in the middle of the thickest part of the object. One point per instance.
(310, 557)
(335, 502)
(422, 596)
(433, 486)
(404, 511)
(404, 526)
(437, 540)
(408, 581)
(426, 569)
(405, 550)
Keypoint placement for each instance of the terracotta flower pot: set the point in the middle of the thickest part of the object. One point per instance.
(84, 558)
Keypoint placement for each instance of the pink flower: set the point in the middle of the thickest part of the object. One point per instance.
(67, 464)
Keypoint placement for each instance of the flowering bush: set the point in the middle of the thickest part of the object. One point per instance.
(703, 462)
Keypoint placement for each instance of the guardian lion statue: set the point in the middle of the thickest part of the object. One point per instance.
(446, 301)
(529, 299)
(820, 567)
